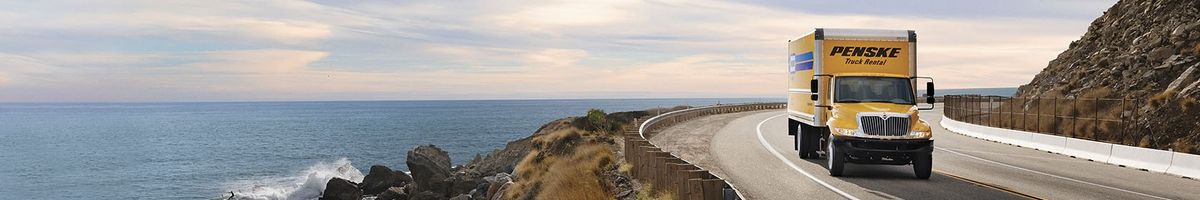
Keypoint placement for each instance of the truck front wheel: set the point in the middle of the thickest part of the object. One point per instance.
(836, 159)
(923, 164)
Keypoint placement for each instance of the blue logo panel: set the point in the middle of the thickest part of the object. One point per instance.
(800, 62)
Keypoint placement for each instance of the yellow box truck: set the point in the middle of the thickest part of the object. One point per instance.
(852, 97)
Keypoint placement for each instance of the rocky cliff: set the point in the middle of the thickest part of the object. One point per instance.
(1143, 50)
(569, 158)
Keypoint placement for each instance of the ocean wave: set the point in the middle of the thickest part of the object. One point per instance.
(306, 185)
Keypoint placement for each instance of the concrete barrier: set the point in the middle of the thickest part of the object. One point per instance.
(1051, 143)
(1155, 160)
(1141, 158)
(1187, 165)
(1019, 138)
(1087, 149)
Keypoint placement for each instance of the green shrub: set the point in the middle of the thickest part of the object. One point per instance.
(595, 121)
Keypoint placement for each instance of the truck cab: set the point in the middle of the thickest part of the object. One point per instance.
(852, 97)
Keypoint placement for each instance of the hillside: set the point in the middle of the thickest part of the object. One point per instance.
(1142, 50)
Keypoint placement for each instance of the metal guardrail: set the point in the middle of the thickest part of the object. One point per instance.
(671, 174)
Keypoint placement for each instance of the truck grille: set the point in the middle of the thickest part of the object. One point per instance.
(878, 126)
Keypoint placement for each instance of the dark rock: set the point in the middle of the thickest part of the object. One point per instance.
(427, 195)
(461, 197)
(1161, 53)
(341, 189)
(430, 168)
(495, 182)
(380, 178)
(393, 193)
(478, 194)
(462, 184)
(624, 194)
(401, 179)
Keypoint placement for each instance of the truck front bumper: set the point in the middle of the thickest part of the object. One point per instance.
(879, 151)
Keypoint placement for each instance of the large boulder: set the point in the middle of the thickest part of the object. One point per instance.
(381, 178)
(341, 189)
(430, 167)
(393, 193)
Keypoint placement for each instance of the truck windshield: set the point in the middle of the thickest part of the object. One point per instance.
(858, 89)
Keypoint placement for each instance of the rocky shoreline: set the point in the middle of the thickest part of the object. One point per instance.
(573, 158)
(432, 177)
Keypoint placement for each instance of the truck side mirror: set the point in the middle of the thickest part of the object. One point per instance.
(930, 100)
(813, 87)
(929, 89)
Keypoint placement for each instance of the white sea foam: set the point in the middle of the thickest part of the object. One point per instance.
(306, 185)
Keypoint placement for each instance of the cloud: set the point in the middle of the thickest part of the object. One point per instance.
(569, 13)
(555, 57)
(300, 50)
(267, 61)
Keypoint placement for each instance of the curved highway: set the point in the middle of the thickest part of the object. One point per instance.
(754, 153)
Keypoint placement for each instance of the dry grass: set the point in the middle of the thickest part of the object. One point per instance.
(647, 193)
(564, 164)
(1196, 50)
(624, 167)
(1162, 98)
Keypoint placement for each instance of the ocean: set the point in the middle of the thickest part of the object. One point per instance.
(255, 149)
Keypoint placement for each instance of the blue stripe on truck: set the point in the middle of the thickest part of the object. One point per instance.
(802, 57)
(801, 62)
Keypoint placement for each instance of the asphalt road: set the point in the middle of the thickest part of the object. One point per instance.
(754, 153)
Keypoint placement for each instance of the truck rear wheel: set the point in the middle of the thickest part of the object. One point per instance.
(923, 164)
(808, 141)
(837, 160)
(793, 126)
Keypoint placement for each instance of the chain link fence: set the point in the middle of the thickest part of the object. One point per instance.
(1098, 119)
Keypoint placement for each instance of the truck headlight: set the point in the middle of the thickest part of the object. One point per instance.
(843, 131)
(918, 134)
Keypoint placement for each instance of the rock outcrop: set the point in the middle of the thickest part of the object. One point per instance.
(583, 153)
(341, 189)
(1143, 50)
(393, 193)
(430, 167)
(380, 178)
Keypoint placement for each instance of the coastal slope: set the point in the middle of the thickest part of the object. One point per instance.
(1144, 51)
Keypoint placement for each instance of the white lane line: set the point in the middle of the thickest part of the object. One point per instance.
(793, 165)
(1047, 174)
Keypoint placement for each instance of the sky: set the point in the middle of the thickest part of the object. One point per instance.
(285, 50)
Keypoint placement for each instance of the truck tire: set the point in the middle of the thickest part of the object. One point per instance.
(801, 149)
(793, 126)
(837, 160)
(808, 141)
(923, 164)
